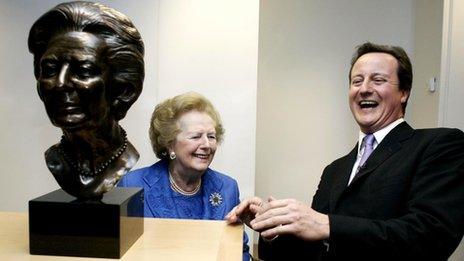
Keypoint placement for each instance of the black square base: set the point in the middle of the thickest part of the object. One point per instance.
(59, 224)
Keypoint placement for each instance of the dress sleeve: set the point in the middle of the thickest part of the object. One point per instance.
(246, 248)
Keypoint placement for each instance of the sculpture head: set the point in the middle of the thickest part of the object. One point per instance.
(88, 62)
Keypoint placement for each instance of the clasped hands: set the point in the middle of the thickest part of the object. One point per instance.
(280, 217)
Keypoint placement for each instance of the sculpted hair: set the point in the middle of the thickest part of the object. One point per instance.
(163, 124)
(124, 53)
(404, 71)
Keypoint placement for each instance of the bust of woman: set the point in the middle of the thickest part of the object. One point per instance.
(88, 62)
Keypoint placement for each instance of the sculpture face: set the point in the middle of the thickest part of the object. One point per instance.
(72, 81)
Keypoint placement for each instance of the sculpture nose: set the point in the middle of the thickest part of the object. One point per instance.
(64, 75)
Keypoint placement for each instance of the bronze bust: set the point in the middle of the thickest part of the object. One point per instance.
(88, 62)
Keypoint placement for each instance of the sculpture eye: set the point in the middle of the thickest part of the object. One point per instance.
(48, 68)
(86, 70)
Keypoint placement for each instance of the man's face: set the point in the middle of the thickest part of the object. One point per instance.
(72, 81)
(374, 96)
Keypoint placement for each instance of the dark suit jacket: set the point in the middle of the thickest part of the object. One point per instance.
(407, 203)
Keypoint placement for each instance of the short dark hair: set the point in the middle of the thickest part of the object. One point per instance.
(124, 53)
(404, 70)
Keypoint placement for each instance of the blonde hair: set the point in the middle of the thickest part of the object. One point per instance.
(163, 124)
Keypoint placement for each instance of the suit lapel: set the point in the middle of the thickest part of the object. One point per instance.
(341, 177)
(389, 146)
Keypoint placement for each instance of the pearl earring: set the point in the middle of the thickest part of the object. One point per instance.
(172, 155)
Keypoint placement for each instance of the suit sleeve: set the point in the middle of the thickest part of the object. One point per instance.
(433, 223)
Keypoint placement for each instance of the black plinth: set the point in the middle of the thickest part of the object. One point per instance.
(59, 224)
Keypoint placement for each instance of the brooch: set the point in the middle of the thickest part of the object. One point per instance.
(215, 199)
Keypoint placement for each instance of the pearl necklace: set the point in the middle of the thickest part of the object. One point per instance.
(74, 164)
(179, 190)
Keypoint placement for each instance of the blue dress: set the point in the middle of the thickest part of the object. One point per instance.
(218, 195)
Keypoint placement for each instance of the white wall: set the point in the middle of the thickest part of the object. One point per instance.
(423, 104)
(452, 90)
(452, 96)
(211, 47)
(202, 46)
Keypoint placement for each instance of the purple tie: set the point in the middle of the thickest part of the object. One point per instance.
(368, 144)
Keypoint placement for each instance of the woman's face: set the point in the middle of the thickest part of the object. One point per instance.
(72, 81)
(196, 143)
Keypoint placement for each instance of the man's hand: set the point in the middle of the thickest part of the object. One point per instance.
(245, 211)
(289, 216)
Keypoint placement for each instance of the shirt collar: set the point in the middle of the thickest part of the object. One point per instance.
(380, 134)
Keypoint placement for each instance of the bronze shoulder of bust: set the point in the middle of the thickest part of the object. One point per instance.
(85, 183)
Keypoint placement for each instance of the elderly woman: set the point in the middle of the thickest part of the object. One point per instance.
(185, 132)
(88, 62)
